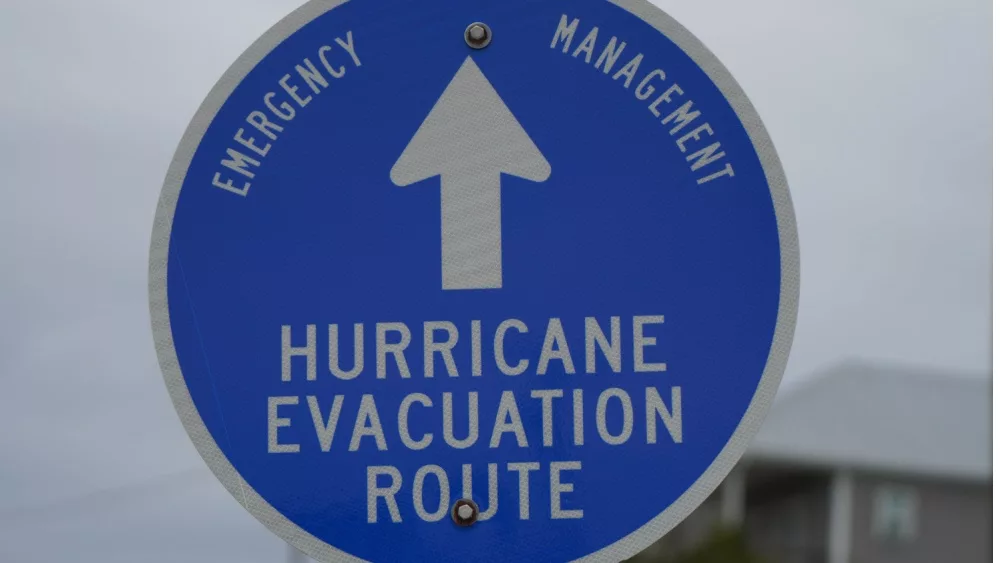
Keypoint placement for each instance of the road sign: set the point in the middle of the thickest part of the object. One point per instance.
(517, 291)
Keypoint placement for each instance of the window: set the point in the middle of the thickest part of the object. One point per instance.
(895, 514)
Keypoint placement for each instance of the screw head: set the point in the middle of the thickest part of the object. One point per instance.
(478, 35)
(465, 512)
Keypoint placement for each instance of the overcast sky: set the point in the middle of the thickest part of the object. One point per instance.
(880, 111)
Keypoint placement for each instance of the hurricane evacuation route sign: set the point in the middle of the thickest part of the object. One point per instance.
(424, 290)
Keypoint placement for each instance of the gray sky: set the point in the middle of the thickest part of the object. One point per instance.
(880, 112)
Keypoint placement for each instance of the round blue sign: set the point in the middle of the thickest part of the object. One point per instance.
(515, 291)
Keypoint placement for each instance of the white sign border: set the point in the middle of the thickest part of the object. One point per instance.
(622, 549)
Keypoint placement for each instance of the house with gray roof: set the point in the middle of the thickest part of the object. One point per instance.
(864, 463)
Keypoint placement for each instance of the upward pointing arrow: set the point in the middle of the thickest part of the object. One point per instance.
(469, 139)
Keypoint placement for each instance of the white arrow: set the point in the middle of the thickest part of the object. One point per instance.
(469, 139)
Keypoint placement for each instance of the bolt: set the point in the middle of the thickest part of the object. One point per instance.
(478, 35)
(465, 513)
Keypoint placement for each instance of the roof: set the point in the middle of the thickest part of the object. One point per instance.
(876, 417)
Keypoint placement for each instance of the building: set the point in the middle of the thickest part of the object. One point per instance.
(862, 464)
(865, 463)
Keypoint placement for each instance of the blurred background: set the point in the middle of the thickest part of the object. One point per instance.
(877, 449)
